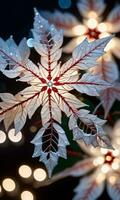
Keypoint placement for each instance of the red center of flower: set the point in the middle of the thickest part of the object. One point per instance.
(109, 158)
(93, 33)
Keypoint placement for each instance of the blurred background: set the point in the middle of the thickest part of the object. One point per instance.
(16, 18)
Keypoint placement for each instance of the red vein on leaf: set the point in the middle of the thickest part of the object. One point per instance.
(21, 65)
(18, 104)
(76, 62)
(76, 83)
(63, 99)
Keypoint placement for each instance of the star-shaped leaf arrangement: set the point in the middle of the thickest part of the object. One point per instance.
(49, 89)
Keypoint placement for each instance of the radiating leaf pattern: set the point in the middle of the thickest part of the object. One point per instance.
(49, 86)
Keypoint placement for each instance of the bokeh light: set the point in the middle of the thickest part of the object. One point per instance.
(14, 137)
(2, 137)
(0, 189)
(27, 195)
(64, 3)
(30, 42)
(39, 174)
(9, 184)
(92, 23)
(25, 171)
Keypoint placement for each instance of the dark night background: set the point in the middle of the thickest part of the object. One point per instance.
(16, 18)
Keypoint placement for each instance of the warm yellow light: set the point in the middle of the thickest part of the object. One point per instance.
(98, 161)
(25, 171)
(2, 137)
(108, 158)
(14, 137)
(112, 179)
(104, 151)
(102, 27)
(105, 168)
(92, 14)
(92, 23)
(27, 195)
(79, 30)
(33, 129)
(40, 174)
(8, 184)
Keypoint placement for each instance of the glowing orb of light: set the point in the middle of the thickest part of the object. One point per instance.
(8, 184)
(27, 195)
(14, 137)
(25, 171)
(39, 174)
(2, 137)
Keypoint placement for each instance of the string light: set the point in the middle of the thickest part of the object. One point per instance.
(2, 137)
(92, 23)
(27, 195)
(79, 30)
(25, 171)
(39, 174)
(8, 184)
(102, 27)
(14, 137)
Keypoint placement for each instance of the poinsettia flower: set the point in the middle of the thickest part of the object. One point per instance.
(109, 72)
(93, 25)
(101, 167)
(49, 89)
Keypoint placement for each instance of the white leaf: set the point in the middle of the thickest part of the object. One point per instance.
(113, 188)
(83, 53)
(106, 69)
(69, 47)
(88, 127)
(88, 188)
(47, 39)
(108, 97)
(114, 19)
(86, 6)
(91, 84)
(53, 147)
(65, 21)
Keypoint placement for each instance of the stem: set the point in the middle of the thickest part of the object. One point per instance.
(96, 108)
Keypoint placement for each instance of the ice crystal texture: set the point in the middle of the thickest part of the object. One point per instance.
(49, 87)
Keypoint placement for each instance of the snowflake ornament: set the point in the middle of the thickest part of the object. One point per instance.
(49, 86)
(102, 168)
(92, 26)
